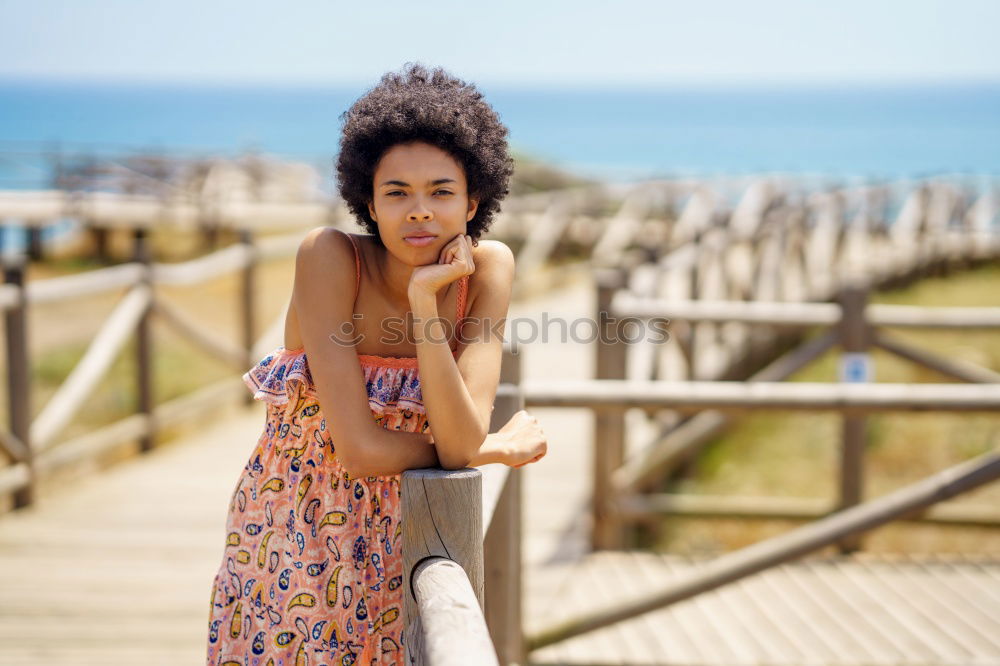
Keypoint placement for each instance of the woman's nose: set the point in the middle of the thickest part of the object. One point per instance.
(419, 213)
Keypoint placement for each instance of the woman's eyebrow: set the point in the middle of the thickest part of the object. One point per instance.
(400, 183)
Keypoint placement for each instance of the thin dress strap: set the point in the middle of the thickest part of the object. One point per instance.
(463, 288)
(357, 267)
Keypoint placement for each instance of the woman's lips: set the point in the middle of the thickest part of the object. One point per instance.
(419, 241)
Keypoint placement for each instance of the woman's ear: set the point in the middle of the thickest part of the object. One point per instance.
(371, 211)
(473, 207)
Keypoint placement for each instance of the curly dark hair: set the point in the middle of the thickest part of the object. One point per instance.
(432, 106)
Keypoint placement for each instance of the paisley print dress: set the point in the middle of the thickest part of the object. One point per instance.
(311, 572)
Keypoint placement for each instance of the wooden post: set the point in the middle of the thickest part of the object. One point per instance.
(18, 372)
(144, 345)
(855, 339)
(101, 244)
(442, 517)
(502, 545)
(35, 249)
(609, 423)
(210, 234)
(248, 290)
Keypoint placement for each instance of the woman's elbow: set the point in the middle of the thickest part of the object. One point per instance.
(352, 459)
(453, 461)
(352, 465)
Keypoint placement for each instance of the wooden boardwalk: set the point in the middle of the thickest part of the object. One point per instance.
(117, 569)
(862, 610)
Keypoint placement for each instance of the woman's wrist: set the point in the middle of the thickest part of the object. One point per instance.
(423, 308)
(421, 299)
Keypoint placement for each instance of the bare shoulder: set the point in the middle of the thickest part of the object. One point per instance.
(325, 260)
(494, 263)
(325, 240)
(325, 248)
(492, 281)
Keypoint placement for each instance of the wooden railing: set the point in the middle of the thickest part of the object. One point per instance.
(617, 498)
(855, 326)
(35, 446)
(462, 556)
(737, 298)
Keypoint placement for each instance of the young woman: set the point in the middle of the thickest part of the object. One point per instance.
(391, 362)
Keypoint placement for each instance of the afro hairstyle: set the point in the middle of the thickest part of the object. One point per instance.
(434, 107)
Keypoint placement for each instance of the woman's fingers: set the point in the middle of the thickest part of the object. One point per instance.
(449, 247)
(458, 248)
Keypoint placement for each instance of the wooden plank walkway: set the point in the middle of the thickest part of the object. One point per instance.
(862, 610)
(117, 568)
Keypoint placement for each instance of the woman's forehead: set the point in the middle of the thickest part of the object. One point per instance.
(418, 163)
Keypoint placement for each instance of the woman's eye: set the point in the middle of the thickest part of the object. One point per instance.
(444, 192)
(394, 193)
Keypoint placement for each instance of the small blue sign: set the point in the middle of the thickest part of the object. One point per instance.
(855, 367)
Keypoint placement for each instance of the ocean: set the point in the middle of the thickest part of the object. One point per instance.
(846, 132)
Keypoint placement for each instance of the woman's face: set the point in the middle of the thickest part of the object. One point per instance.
(420, 201)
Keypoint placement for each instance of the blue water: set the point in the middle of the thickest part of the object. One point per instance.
(881, 132)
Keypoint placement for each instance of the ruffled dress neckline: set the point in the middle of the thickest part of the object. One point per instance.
(373, 359)
(391, 382)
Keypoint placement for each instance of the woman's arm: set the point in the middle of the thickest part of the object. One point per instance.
(458, 392)
(323, 286)
(323, 270)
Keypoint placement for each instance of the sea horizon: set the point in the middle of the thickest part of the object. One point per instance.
(862, 130)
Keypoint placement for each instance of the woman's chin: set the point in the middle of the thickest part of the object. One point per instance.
(414, 256)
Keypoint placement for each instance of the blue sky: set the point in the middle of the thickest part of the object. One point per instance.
(508, 42)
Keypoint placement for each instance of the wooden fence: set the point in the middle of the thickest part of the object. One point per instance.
(34, 446)
(617, 483)
(738, 296)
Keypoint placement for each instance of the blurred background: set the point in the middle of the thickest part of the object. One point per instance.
(160, 162)
(644, 89)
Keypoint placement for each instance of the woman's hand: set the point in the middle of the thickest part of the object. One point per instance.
(454, 261)
(522, 439)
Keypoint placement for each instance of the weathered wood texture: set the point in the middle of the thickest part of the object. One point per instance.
(694, 396)
(454, 631)
(18, 443)
(609, 424)
(855, 610)
(115, 567)
(787, 546)
(442, 511)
